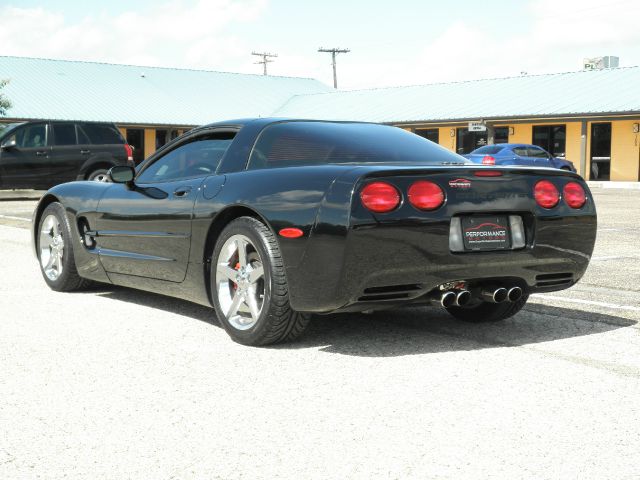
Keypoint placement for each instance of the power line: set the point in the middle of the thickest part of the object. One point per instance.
(265, 59)
(334, 52)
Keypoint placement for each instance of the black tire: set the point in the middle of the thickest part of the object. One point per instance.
(98, 175)
(67, 278)
(277, 321)
(487, 311)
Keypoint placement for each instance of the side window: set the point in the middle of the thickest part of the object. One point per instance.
(83, 138)
(31, 136)
(522, 151)
(64, 134)
(102, 134)
(537, 152)
(197, 158)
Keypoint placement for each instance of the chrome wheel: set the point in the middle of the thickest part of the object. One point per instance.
(51, 245)
(240, 282)
(100, 176)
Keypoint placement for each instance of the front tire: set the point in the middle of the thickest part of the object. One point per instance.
(488, 312)
(249, 286)
(55, 251)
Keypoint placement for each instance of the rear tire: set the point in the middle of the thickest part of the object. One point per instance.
(99, 175)
(488, 312)
(55, 251)
(249, 286)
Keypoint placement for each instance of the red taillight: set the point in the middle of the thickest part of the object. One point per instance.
(574, 195)
(380, 197)
(487, 173)
(129, 152)
(291, 232)
(425, 195)
(546, 194)
(488, 160)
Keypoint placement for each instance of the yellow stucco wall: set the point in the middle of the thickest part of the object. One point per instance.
(572, 145)
(123, 131)
(522, 133)
(625, 151)
(149, 141)
(445, 139)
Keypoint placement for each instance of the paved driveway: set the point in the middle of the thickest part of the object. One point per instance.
(116, 383)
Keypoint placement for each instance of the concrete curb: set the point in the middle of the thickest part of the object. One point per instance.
(620, 185)
(21, 194)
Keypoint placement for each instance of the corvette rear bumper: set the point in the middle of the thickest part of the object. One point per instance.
(381, 265)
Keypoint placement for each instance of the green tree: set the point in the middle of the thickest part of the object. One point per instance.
(5, 104)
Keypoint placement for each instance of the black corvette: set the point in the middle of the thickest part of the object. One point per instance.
(271, 220)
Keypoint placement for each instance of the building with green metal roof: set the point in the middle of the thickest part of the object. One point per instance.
(590, 117)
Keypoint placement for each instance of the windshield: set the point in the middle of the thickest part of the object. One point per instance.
(5, 128)
(300, 143)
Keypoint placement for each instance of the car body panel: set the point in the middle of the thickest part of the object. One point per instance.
(348, 257)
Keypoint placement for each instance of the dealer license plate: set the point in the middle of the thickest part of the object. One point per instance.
(486, 233)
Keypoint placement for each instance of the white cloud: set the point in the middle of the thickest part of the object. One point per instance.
(555, 38)
(554, 35)
(176, 33)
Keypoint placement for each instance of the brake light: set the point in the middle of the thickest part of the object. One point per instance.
(487, 173)
(488, 160)
(425, 195)
(128, 152)
(546, 194)
(380, 197)
(574, 195)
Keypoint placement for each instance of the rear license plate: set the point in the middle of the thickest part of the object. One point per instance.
(486, 233)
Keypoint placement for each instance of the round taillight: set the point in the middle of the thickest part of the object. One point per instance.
(425, 195)
(574, 195)
(546, 194)
(380, 197)
(488, 160)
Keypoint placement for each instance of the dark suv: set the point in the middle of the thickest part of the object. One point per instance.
(40, 154)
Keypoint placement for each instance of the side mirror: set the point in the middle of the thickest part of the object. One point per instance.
(121, 174)
(9, 145)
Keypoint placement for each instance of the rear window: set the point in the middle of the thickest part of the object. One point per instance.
(64, 134)
(488, 150)
(317, 143)
(101, 134)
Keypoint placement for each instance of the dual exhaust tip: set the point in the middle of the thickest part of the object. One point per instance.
(460, 298)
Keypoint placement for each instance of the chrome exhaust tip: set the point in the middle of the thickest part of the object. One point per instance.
(463, 297)
(497, 295)
(445, 299)
(514, 294)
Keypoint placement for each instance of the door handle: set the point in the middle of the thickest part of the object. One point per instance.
(41, 154)
(85, 152)
(182, 191)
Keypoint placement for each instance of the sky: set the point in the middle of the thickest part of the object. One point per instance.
(406, 42)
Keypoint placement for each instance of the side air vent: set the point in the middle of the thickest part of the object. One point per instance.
(553, 279)
(391, 292)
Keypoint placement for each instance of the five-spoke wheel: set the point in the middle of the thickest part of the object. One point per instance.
(240, 282)
(249, 285)
(51, 244)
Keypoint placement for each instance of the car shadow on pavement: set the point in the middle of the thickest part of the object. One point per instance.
(410, 331)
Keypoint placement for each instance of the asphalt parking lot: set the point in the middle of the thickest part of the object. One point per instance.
(116, 383)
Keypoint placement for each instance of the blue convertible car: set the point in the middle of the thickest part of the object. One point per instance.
(518, 154)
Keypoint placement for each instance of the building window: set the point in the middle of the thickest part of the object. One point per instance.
(135, 138)
(467, 141)
(552, 138)
(600, 151)
(501, 135)
(432, 134)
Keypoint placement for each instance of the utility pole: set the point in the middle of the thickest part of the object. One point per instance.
(333, 52)
(265, 59)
